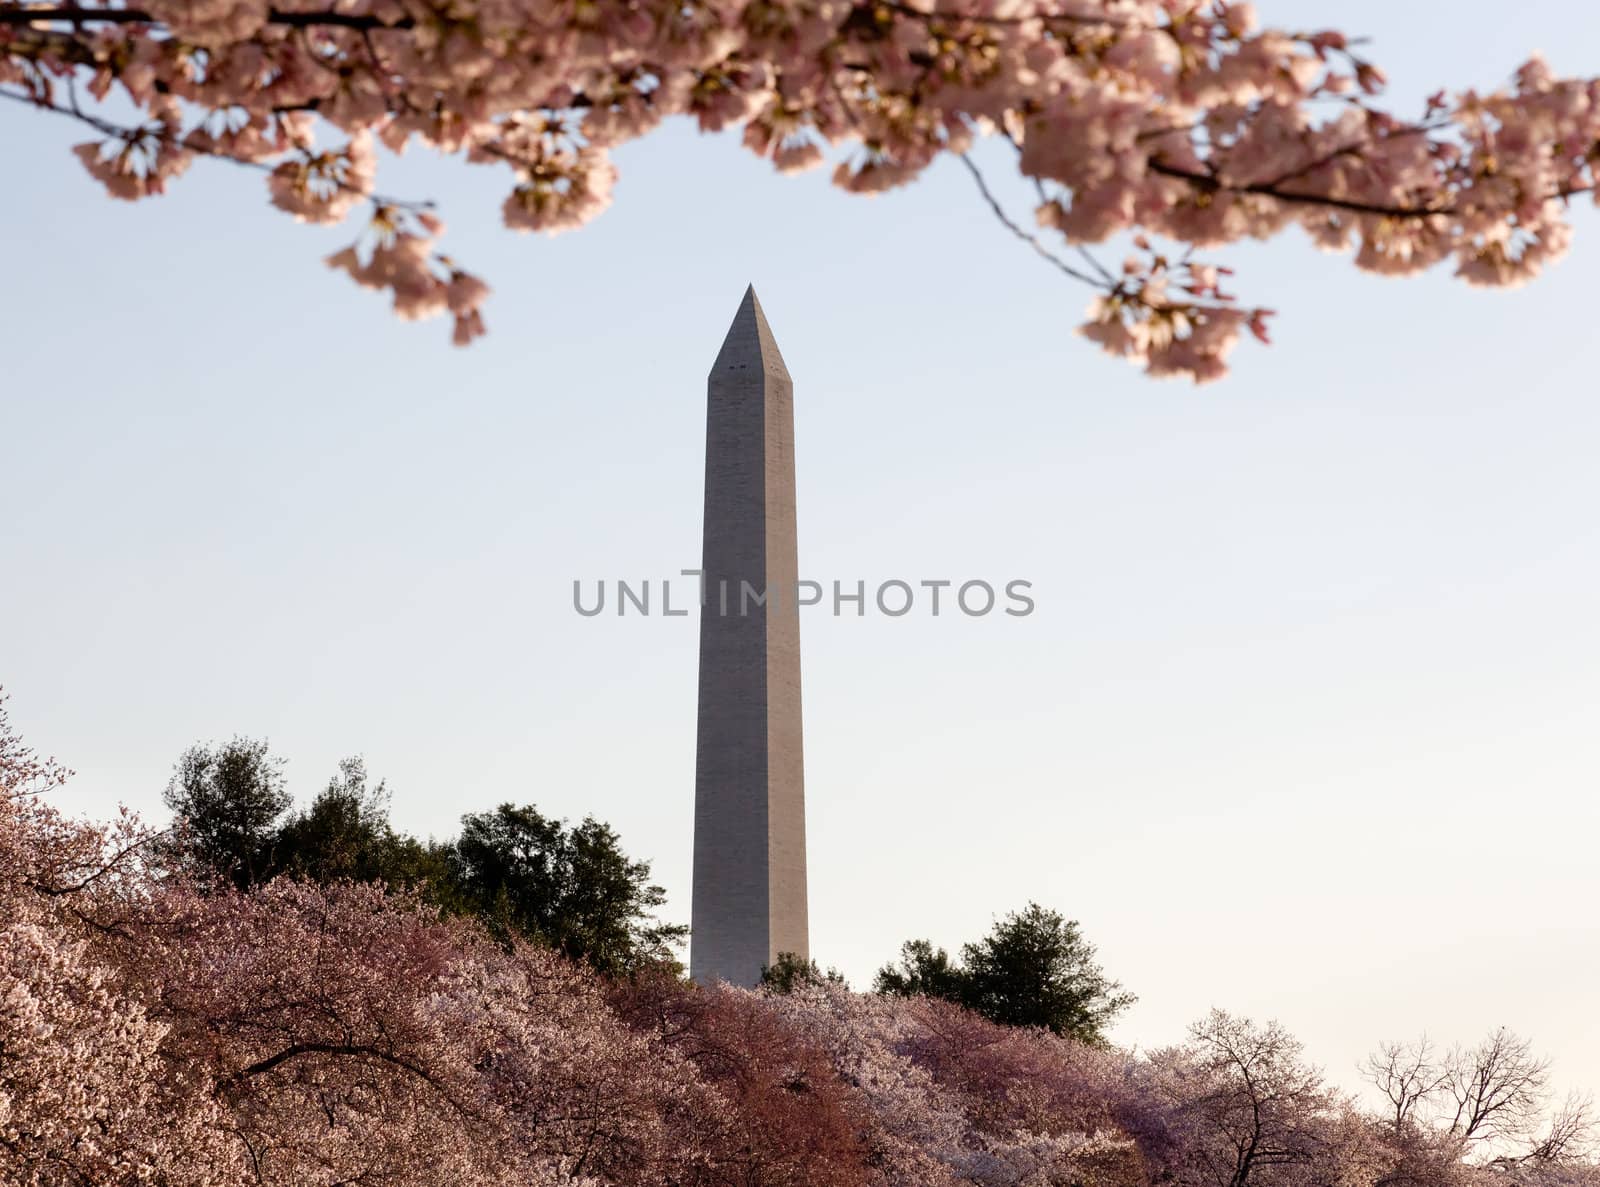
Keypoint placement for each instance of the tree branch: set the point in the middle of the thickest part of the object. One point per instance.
(1031, 240)
(352, 1050)
(1214, 185)
(73, 14)
(117, 131)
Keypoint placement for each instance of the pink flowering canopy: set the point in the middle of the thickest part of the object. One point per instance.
(163, 1030)
(1179, 123)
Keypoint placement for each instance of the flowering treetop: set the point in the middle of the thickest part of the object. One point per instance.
(159, 1029)
(1177, 121)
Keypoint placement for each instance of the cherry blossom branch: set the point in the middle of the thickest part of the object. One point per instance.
(79, 15)
(106, 866)
(295, 1050)
(1214, 185)
(1207, 183)
(188, 145)
(1132, 126)
(348, 1049)
(914, 13)
(1131, 292)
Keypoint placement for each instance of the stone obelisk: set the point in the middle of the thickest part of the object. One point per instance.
(749, 790)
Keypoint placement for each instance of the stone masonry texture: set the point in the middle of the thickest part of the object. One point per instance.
(749, 815)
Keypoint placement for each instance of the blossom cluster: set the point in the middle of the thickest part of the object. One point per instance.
(1176, 118)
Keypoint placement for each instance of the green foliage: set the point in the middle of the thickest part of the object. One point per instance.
(923, 971)
(1033, 969)
(789, 972)
(226, 801)
(345, 833)
(572, 888)
(1036, 969)
(525, 876)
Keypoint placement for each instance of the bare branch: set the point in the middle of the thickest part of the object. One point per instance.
(1407, 1075)
(1498, 1088)
(1031, 240)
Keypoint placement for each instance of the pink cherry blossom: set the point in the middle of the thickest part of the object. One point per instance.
(155, 1029)
(1181, 119)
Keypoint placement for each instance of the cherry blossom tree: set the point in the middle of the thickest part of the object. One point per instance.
(84, 1093)
(1490, 1103)
(156, 1028)
(1248, 1110)
(781, 1115)
(84, 1096)
(353, 1034)
(1182, 125)
(956, 1099)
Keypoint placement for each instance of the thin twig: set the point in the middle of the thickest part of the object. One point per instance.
(117, 131)
(1031, 240)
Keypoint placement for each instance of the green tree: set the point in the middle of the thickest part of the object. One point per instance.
(789, 972)
(226, 801)
(522, 874)
(923, 971)
(1033, 969)
(1036, 969)
(345, 833)
(572, 888)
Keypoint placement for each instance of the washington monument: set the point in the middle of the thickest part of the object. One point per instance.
(749, 784)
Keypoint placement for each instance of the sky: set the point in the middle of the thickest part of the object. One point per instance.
(1306, 722)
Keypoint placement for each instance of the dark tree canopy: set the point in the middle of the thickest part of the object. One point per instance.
(226, 801)
(572, 888)
(1036, 969)
(346, 833)
(789, 972)
(923, 971)
(525, 876)
(1033, 969)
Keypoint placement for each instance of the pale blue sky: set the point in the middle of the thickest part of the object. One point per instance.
(1305, 724)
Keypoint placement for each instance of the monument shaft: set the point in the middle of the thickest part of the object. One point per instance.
(749, 816)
